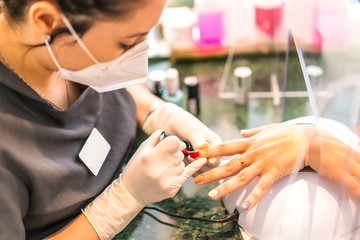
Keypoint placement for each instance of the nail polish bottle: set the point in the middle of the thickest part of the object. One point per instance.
(172, 92)
(210, 21)
(193, 100)
(157, 79)
(242, 76)
(315, 76)
(268, 17)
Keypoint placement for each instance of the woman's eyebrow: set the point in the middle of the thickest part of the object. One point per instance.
(137, 35)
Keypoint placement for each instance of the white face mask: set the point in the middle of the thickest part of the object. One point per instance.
(129, 69)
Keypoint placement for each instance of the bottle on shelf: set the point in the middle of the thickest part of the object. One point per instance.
(210, 22)
(157, 79)
(172, 93)
(242, 76)
(193, 100)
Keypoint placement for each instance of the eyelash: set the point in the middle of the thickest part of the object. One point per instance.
(125, 46)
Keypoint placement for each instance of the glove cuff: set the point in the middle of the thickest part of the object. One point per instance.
(112, 210)
(157, 116)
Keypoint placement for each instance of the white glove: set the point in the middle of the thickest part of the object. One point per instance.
(181, 123)
(155, 172)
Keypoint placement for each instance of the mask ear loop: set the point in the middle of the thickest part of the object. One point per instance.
(82, 45)
(47, 39)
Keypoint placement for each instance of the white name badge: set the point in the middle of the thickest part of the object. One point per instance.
(94, 151)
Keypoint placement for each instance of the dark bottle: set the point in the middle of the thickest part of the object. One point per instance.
(193, 100)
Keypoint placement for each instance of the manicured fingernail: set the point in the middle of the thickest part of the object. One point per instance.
(198, 179)
(244, 131)
(204, 145)
(182, 146)
(245, 206)
(212, 160)
(195, 154)
(213, 193)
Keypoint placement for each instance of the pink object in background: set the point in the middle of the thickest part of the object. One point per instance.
(268, 16)
(299, 16)
(332, 21)
(210, 28)
(239, 24)
(210, 22)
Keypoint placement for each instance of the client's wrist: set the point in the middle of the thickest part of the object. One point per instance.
(313, 144)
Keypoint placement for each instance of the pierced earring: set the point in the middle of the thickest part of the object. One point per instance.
(47, 37)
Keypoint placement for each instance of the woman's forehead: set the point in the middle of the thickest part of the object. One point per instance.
(136, 24)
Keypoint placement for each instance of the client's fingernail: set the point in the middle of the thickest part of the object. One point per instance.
(182, 146)
(195, 154)
(198, 179)
(245, 206)
(244, 131)
(212, 160)
(204, 145)
(213, 193)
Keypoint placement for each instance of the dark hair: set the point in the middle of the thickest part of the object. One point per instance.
(81, 13)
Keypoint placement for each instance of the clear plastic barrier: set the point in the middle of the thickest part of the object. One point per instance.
(317, 77)
(333, 73)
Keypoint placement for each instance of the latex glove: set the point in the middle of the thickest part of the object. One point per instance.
(181, 123)
(270, 152)
(155, 172)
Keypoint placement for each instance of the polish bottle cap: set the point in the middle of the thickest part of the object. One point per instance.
(208, 6)
(242, 72)
(191, 81)
(314, 71)
(172, 81)
(157, 75)
(268, 3)
(157, 79)
(192, 84)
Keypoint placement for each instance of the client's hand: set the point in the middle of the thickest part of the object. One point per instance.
(270, 152)
(335, 160)
(357, 130)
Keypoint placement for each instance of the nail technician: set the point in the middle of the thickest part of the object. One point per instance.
(70, 101)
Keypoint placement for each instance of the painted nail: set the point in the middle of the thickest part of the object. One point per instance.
(198, 179)
(213, 193)
(245, 206)
(195, 154)
(204, 145)
(244, 131)
(212, 160)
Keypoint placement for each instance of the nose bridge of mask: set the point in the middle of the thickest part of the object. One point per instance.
(134, 52)
(133, 56)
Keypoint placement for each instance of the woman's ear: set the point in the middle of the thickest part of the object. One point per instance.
(44, 16)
